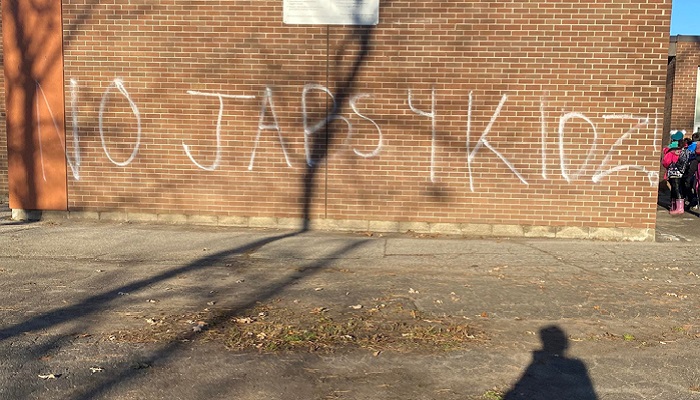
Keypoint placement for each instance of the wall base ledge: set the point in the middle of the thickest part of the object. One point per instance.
(466, 230)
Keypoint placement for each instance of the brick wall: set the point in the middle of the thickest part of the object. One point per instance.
(3, 135)
(687, 61)
(540, 113)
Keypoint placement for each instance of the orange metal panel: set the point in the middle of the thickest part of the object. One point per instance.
(33, 62)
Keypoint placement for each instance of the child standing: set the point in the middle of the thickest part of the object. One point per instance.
(676, 163)
(690, 178)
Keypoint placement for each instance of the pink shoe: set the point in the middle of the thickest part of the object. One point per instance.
(677, 207)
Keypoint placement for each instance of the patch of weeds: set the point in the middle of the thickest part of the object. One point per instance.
(270, 328)
(283, 329)
(628, 337)
(683, 331)
(300, 336)
(493, 395)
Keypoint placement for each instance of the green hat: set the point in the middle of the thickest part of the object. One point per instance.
(677, 135)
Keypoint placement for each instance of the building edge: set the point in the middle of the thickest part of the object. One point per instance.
(463, 230)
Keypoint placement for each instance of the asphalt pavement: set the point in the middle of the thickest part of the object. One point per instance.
(553, 319)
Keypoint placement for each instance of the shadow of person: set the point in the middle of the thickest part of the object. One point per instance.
(551, 375)
(664, 195)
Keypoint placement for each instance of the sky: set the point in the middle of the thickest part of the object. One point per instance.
(685, 17)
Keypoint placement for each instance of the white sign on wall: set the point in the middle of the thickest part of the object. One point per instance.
(331, 12)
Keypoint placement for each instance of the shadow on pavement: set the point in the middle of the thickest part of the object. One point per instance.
(552, 375)
(664, 199)
(97, 303)
(684, 227)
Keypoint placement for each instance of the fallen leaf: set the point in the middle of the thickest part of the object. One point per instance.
(96, 369)
(49, 376)
(199, 326)
(356, 307)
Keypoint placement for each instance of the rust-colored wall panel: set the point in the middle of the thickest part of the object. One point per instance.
(33, 63)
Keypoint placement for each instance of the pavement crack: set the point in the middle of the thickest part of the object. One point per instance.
(561, 260)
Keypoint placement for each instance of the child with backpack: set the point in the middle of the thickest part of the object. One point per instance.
(690, 180)
(676, 160)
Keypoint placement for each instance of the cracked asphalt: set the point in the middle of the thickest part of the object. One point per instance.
(560, 319)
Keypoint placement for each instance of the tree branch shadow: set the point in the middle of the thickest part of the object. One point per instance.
(321, 142)
(98, 303)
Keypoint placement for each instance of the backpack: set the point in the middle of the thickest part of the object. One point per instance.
(678, 168)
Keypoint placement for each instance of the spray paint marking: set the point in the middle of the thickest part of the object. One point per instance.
(309, 130)
(430, 115)
(217, 158)
(74, 165)
(119, 84)
(543, 131)
(267, 99)
(483, 142)
(469, 133)
(76, 139)
(380, 141)
(562, 158)
(330, 117)
(641, 122)
(38, 128)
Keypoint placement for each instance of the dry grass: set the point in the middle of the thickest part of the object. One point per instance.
(274, 329)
